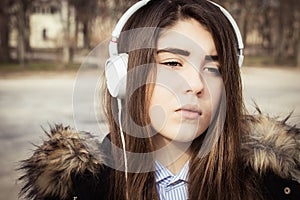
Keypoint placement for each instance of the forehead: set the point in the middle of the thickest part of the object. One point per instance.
(187, 34)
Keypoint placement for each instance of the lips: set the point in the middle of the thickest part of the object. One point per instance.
(189, 111)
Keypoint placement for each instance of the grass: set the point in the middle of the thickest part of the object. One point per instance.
(267, 61)
(54, 66)
(259, 61)
(36, 66)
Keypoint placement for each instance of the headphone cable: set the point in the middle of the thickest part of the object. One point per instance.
(122, 136)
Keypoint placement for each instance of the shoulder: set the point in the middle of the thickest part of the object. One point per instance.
(271, 148)
(279, 188)
(90, 186)
(59, 166)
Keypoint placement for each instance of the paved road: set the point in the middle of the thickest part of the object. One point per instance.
(26, 103)
(276, 91)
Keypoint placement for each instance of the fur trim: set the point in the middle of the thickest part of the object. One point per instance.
(268, 145)
(272, 145)
(48, 172)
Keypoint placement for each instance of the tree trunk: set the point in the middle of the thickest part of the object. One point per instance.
(4, 31)
(21, 49)
(86, 35)
(66, 40)
(243, 18)
(298, 55)
(27, 29)
(21, 34)
(75, 45)
(4, 37)
(280, 50)
(297, 33)
(243, 24)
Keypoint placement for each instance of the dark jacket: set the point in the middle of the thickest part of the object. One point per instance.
(69, 165)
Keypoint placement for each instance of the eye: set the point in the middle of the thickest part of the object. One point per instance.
(172, 64)
(212, 69)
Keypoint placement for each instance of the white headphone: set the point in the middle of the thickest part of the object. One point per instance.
(116, 65)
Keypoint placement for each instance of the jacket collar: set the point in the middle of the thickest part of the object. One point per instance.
(267, 144)
(271, 145)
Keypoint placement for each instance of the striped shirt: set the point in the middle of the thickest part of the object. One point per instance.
(169, 186)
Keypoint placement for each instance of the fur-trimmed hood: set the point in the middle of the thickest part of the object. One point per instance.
(48, 172)
(272, 145)
(268, 145)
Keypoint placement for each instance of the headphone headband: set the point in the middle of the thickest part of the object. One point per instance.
(233, 23)
(116, 32)
(113, 45)
(236, 30)
(116, 65)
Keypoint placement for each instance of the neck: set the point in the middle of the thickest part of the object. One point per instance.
(173, 155)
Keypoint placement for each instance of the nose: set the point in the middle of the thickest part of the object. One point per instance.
(195, 82)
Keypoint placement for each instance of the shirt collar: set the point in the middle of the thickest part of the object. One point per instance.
(162, 173)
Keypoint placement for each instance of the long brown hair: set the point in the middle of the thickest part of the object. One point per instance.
(214, 176)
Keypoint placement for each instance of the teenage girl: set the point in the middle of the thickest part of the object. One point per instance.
(178, 126)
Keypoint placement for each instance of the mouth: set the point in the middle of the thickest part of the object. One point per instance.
(191, 112)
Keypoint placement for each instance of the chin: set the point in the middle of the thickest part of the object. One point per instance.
(186, 137)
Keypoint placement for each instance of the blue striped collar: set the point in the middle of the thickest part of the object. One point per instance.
(162, 173)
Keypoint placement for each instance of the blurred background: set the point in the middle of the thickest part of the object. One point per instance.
(29, 28)
(43, 44)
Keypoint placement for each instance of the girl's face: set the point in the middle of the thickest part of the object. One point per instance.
(188, 87)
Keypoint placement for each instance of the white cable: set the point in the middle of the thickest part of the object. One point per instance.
(122, 136)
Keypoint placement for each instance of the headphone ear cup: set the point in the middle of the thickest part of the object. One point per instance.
(241, 60)
(115, 74)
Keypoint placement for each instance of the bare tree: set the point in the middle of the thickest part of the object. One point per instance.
(297, 33)
(85, 12)
(67, 49)
(277, 23)
(20, 12)
(287, 32)
(119, 6)
(4, 30)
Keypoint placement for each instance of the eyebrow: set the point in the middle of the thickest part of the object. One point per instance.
(186, 53)
(211, 58)
(174, 51)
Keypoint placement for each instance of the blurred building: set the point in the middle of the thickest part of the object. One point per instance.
(50, 22)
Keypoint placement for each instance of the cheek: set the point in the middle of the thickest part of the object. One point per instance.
(157, 117)
(216, 90)
(159, 107)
